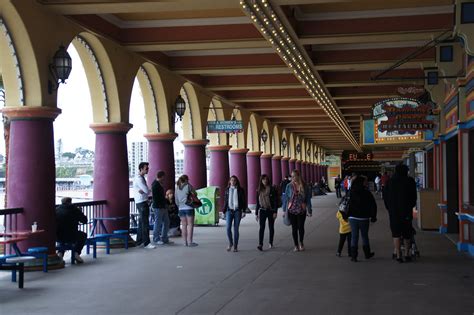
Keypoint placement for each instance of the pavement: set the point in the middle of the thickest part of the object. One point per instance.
(173, 279)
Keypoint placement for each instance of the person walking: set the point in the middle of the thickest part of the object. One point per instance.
(186, 212)
(337, 186)
(162, 219)
(399, 198)
(297, 206)
(362, 208)
(234, 210)
(140, 193)
(266, 209)
(344, 233)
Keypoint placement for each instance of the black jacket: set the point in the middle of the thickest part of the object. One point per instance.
(273, 201)
(158, 195)
(240, 196)
(362, 205)
(400, 196)
(67, 219)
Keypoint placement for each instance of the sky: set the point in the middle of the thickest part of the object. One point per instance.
(72, 125)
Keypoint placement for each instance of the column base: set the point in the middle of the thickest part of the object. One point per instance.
(443, 230)
(54, 263)
(462, 247)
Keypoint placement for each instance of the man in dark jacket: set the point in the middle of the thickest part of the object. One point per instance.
(162, 219)
(400, 198)
(68, 216)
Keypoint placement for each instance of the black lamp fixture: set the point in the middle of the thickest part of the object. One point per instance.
(264, 136)
(298, 148)
(60, 68)
(284, 143)
(308, 152)
(180, 107)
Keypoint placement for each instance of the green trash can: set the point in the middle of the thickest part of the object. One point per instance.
(208, 214)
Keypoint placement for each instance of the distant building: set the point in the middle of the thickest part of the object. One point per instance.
(137, 152)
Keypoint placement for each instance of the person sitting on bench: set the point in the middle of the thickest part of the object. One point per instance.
(68, 217)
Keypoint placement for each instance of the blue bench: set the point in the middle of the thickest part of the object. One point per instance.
(123, 235)
(40, 253)
(16, 263)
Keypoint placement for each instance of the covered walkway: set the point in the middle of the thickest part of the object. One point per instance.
(209, 280)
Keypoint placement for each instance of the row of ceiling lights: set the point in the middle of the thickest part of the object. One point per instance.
(270, 26)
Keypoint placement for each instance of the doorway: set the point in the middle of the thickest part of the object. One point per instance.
(452, 184)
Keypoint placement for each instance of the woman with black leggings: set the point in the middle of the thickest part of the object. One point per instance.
(266, 209)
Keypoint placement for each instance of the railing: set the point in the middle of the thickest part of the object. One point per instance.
(133, 214)
(91, 209)
(8, 219)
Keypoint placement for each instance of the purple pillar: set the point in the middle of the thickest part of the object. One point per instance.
(253, 175)
(291, 165)
(276, 170)
(238, 166)
(298, 165)
(195, 162)
(161, 157)
(308, 172)
(303, 170)
(111, 172)
(219, 169)
(31, 173)
(318, 173)
(313, 172)
(266, 165)
(285, 167)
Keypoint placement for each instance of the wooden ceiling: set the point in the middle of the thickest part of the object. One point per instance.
(214, 44)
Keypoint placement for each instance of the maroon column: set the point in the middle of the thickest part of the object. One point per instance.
(253, 175)
(195, 162)
(111, 172)
(276, 170)
(303, 171)
(307, 172)
(291, 165)
(266, 165)
(238, 166)
(161, 157)
(285, 167)
(31, 173)
(298, 165)
(219, 169)
(313, 172)
(318, 176)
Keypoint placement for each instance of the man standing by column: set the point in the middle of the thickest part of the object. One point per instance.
(141, 192)
(162, 219)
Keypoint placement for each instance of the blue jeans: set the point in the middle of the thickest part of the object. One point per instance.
(234, 216)
(363, 226)
(161, 226)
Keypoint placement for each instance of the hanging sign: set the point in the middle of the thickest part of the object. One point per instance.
(403, 116)
(225, 126)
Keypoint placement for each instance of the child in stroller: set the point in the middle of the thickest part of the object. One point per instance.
(414, 252)
(175, 229)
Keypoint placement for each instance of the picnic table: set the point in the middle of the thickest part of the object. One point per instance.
(101, 220)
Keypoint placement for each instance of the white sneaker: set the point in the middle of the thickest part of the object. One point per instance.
(78, 258)
(159, 243)
(150, 246)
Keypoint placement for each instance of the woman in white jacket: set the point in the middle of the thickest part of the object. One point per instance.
(186, 212)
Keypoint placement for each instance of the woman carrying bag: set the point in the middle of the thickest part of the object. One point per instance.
(184, 200)
(266, 209)
(296, 207)
(234, 210)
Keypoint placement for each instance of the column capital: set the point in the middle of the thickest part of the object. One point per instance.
(216, 148)
(195, 142)
(285, 158)
(31, 112)
(293, 160)
(254, 153)
(160, 136)
(239, 151)
(266, 156)
(121, 128)
(277, 157)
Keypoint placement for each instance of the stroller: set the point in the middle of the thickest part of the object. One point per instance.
(414, 252)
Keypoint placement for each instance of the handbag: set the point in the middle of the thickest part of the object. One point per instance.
(286, 219)
(193, 200)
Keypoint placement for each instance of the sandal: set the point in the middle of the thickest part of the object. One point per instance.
(296, 249)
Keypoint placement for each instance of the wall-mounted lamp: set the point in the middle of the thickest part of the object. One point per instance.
(284, 143)
(308, 152)
(60, 69)
(298, 148)
(179, 107)
(264, 136)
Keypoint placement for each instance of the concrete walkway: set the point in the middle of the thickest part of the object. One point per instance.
(209, 280)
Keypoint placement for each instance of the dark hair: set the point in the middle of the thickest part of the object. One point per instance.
(401, 169)
(142, 165)
(66, 201)
(181, 180)
(358, 183)
(160, 174)
(260, 185)
(237, 182)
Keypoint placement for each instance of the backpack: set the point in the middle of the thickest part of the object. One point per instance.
(344, 206)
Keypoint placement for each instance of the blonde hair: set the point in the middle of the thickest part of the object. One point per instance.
(298, 180)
